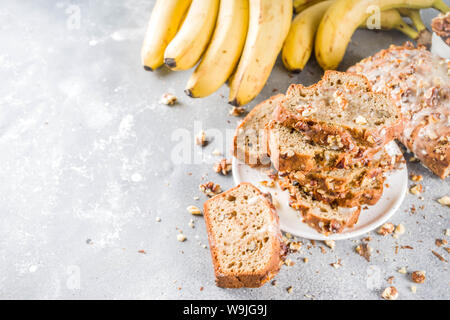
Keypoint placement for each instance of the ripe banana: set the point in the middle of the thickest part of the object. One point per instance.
(300, 5)
(343, 18)
(165, 19)
(224, 50)
(184, 51)
(268, 27)
(299, 42)
(391, 19)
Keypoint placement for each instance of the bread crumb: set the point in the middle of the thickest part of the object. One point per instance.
(266, 183)
(418, 276)
(391, 279)
(289, 262)
(216, 152)
(445, 200)
(158, 219)
(191, 224)
(194, 210)
(360, 120)
(386, 229)
(181, 237)
(168, 99)
(305, 260)
(289, 289)
(416, 177)
(447, 232)
(390, 293)
(413, 289)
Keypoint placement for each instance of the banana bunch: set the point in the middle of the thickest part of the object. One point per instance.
(234, 40)
(327, 26)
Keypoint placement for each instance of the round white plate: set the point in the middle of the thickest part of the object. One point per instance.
(369, 219)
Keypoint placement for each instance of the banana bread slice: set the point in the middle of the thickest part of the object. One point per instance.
(321, 216)
(340, 112)
(291, 150)
(249, 143)
(244, 237)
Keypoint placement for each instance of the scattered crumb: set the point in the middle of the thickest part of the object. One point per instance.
(330, 243)
(416, 177)
(413, 159)
(447, 232)
(142, 251)
(200, 139)
(391, 279)
(364, 250)
(191, 224)
(416, 189)
(390, 293)
(158, 219)
(236, 111)
(181, 237)
(440, 242)
(418, 276)
(336, 264)
(438, 256)
(168, 99)
(305, 260)
(289, 289)
(445, 200)
(413, 289)
(223, 166)
(400, 229)
(386, 229)
(402, 270)
(289, 262)
(274, 282)
(266, 183)
(194, 210)
(196, 198)
(210, 188)
(216, 152)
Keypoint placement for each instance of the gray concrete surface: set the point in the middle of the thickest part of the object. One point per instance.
(88, 162)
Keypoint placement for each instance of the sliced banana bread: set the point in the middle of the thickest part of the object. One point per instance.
(321, 216)
(291, 150)
(249, 144)
(244, 237)
(340, 112)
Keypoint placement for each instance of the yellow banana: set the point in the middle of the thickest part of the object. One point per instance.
(166, 17)
(184, 51)
(224, 50)
(299, 42)
(301, 5)
(391, 19)
(268, 26)
(343, 18)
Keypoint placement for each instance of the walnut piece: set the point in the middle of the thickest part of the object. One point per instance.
(386, 229)
(168, 99)
(364, 250)
(418, 276)
(445, 200)
(416, 189)
(200, 139)
(390, 293)
(237, 111)
(210, 189)
(223, 166)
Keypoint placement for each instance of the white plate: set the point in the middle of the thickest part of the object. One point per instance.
(369, 219)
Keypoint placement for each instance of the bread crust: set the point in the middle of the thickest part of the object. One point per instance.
(226, 279)
(239, 150)
(321, 132)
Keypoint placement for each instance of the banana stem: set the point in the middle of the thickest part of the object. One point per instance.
(415, 17)
(406, 29)
(441, 6)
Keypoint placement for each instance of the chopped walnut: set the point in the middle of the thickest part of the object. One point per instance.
(418, 276)
(330, 243)
(168, 99)
(295, 246)
(440, 242)
(390, 293)
(445, 200)
(194, 210)
(390, 280)
(416, 177)
(200, 139)
(364, 250)
(210, 189)
(237, 111)
(416, 189)
(181, 237)
(223, 166)
(386, 229)
(289, 289)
